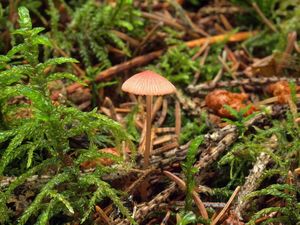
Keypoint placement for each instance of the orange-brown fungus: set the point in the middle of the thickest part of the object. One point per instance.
(281, 89)
(216, 100)
(100, 161)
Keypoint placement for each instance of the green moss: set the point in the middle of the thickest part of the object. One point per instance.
(42, 139)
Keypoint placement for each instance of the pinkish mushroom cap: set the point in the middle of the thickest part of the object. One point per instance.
(148, 83)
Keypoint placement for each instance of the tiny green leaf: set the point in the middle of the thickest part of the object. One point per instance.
(55, 61)
(24, 18)
(41, 40)
(58, 76)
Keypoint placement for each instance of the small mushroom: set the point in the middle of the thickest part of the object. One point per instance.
(150, 84)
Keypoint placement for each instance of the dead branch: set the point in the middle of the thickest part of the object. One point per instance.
(233, 83)
(145, 208)
(144, 59)
(252, 181)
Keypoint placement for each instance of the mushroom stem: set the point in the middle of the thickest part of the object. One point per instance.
(148, 130)
(177, 119)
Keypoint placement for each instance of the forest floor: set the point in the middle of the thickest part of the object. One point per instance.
(224, 147)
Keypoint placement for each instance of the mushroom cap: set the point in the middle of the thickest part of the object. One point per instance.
(148, 83)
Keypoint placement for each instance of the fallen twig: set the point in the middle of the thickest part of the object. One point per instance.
(195, 196)
(241, 36)
(207, 86)
(292, 38)
(80, 72)
(264, 18)
(225, 22)
(127, 38)
(166, 218)
(145, 208)
(102, 216)
(163, 113)
(226, 207)
(109, 103)
(252, 183)
(144, 59)
(188, 104)
(137, 61)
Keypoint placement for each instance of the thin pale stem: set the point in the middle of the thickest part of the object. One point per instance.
(148, 130)
(177, 119)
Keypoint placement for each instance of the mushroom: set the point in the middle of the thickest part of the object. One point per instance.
(150, 84)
